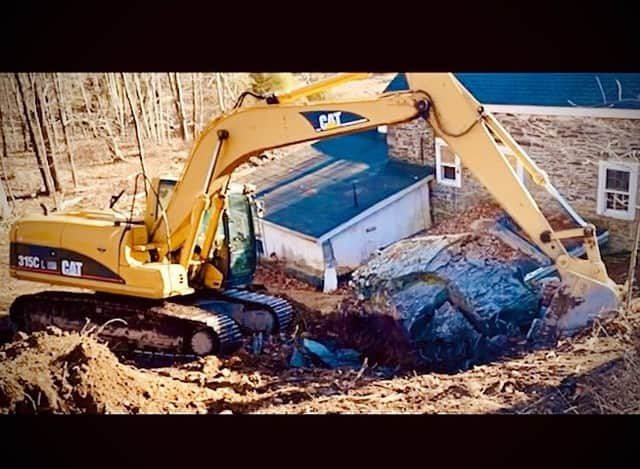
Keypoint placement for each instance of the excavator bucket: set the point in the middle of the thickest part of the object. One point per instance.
(577, 303)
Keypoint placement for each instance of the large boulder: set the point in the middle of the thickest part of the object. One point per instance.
(456, 297)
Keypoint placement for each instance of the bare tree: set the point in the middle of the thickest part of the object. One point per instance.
(145, 121)
(174, 81)
(115, 101)
(50, 114)
(23, 123)
(62, 115)
(35, 133)
(193, 109)
(46, 133)
(200, 103)
(156, 109)
(137, 128)
(219, 89)
(5, 210)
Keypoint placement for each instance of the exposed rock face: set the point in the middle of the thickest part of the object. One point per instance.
(457, 302)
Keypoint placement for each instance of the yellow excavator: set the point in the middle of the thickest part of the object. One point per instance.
(178, 280)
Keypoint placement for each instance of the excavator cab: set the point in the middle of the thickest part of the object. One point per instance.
(234, 252)
(242, 240)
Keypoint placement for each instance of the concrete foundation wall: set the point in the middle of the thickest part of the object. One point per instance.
(301, 253)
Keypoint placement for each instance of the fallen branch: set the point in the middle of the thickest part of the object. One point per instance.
(32, 195)
(364, 366)
(33, 404)
(101, 328)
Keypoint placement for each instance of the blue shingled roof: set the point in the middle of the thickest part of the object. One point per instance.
(610, 90)
(316, 193)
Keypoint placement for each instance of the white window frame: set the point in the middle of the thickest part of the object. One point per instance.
(457, 182)
(632, 169)
(519, 166)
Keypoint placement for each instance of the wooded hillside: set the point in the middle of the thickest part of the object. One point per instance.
(52, 122)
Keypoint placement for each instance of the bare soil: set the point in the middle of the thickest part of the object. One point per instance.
(55, 372)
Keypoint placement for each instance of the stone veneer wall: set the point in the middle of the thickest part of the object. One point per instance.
(568, 148)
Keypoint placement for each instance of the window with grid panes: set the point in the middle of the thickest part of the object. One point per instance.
(617, 189)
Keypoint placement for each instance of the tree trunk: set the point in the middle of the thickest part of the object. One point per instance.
(44, 173)
(123, 104)
(47, 138)
(37, 141)
(78, 120)
(3, 156)
(62, 115)
(164, 112)
(17, 136)
(49, 123)
(5, 209)
(51, 114)
(114, 99)
(193, 109)
(200, 103)
(229, 92)
(87, 106)
(157, 118)
(23, 124)
(145, 121)
(179, 104)
(137, 128)
(219, 88)
(151, 107)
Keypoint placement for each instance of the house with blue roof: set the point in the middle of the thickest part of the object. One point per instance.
(332, 204)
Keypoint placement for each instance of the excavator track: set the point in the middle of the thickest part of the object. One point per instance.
(152, 329)
(279, 308)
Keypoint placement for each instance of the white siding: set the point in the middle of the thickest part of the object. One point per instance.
(401, 218)
(291, 247)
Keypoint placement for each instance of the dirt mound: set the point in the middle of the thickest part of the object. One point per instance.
(272, 275)
(461, 222)
(56, 372)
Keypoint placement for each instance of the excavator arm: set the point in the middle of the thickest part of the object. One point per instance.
(455, 116)
(233, 138)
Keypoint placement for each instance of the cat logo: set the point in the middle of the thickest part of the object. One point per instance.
(71, 268)
(323, 121)
(329, 121)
